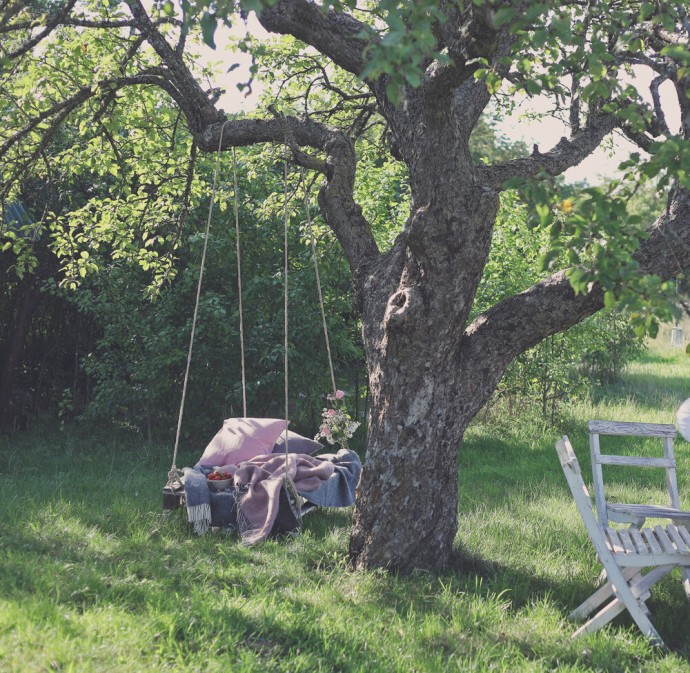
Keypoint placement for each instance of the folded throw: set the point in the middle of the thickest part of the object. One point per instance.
(339, 489)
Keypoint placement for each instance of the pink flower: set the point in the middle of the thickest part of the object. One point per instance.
(325, 430)
(331, 412)
(339, 394)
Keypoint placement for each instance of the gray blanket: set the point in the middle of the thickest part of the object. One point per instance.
(339, 489)
(206, 508)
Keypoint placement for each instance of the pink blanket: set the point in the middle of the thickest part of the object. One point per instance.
(260, 480)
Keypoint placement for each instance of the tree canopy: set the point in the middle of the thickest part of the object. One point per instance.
(418, 77)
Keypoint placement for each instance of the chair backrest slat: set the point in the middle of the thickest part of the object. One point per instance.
(632, 429)
(663, 431)
(634, 461)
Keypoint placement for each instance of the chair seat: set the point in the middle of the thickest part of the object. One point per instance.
(650, 546)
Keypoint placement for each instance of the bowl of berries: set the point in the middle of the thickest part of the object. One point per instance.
(219, 481)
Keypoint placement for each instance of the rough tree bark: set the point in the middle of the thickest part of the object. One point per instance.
(430, 371)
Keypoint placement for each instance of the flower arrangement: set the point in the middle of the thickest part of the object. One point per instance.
(337, 426)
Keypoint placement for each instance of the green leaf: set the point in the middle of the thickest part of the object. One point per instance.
(208, 24)
(547, 259)
(646, 10)
(653, 328)
(545, 214)
(504, 15)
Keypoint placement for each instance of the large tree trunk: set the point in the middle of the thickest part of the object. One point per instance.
(406, 514)
(430, 371)
(406, 510)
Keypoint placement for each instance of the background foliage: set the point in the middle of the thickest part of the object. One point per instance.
(113, 253)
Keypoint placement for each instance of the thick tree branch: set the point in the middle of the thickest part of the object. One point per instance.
(565, 154)
(335, 35)
(551, 306)
(642, 140)
(336, 198)
(338, 36)
(469, 36)
(656, 98)
(188, 94)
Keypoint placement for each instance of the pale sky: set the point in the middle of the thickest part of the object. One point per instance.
(545, 132)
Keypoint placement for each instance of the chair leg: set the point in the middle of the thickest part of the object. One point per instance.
(633, 592)
(600, 596)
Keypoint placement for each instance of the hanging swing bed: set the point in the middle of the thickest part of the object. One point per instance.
(256, 476)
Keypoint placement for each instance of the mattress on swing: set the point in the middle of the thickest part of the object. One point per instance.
(256, 502)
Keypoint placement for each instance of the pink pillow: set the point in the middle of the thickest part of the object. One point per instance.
(241, 439)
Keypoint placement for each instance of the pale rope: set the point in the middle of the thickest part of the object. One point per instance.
(319, 291)
(173, 473)
(292, 495)
(285, 304)
(239, 283)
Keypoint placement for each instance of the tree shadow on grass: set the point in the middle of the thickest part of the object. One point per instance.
(89, 546)
(81, 560)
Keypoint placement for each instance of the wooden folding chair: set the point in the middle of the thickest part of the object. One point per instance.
(629, 513)
(624, 555)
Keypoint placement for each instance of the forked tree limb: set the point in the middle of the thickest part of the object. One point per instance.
(567, 153)
(336, 35)
(336, 196)
(550, 306)
(192, 99)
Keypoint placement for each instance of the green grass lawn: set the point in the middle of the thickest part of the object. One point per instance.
(86, 586)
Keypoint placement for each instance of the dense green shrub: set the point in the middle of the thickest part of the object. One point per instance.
(138, 364)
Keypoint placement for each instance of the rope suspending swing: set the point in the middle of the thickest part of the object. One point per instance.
(173, 487)
(318, 286)
(239, 279)
(174, 474)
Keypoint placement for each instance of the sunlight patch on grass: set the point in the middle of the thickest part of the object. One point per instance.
(86, 586)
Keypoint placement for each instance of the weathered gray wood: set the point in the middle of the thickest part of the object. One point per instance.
(603, 593)
(634, 520)
(602, 618)
(683, 532)
(598, 483)
(681, 544)
(627, 542)
(640, 544)
(650, 560)
(665, 541)
(614, 541)
(635, 515)
(623, 553)
(634, 461)
(648, 535)
(671, 482)
(647, 511)
(632, 429)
